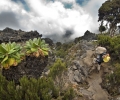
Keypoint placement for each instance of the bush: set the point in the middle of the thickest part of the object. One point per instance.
(112, 45)
(112, 81)
(29, 89)
(33, 89)
(57, 68)
(115, 77)
(62, 49)
(69, 94)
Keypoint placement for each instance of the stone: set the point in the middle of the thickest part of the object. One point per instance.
(77, 79)
(46, 73)
(118, 98)
(76, 73)
(74, 67)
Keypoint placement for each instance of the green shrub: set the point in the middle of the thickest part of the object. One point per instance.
(69, 94)
(29, 89)
(57, 68)
(61, 53)
(115, 77)
(112, 81)
(62, 49)
(33, 89)
(112, 45)
(104, 40)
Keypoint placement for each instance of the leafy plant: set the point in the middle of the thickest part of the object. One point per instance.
(36, 47)
(10, 54)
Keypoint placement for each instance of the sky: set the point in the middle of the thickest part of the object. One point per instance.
(60, 20)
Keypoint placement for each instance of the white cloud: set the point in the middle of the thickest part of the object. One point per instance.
(56, 19)
(51, 18)
(92, 8)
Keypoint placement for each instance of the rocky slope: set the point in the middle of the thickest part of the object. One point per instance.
(86, 84)
(79, 62)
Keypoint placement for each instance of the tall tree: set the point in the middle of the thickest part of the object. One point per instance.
(110, 12)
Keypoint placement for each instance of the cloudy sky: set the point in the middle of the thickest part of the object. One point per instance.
(56, 19)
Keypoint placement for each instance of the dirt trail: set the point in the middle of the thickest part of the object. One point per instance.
(95, 87)
(94, 82)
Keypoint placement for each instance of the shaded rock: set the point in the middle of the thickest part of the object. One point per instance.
(31, 67)
(77, 79)
(84, 71)
(89, 36)
(74, 67)
(48, 41)
(76, 63)
(76, 73)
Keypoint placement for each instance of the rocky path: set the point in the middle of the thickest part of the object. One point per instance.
(79, 73)
(95, 87)
(94, 81)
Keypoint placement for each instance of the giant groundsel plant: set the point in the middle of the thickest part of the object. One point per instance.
(10, 54)
(36, 47)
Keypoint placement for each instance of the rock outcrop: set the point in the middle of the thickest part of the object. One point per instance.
(9, 34)
(87, 36)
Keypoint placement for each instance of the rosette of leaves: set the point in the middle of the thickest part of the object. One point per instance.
(10, 54)
(36, 47)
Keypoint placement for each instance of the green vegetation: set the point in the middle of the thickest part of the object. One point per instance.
(102, 28)
(109, 11)
(112, 80)
(57, 71)
(112, 45)
(29, 89)
(43, 88)
(62, 49)
(10, 54)
(36, 47)
(57, 68)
